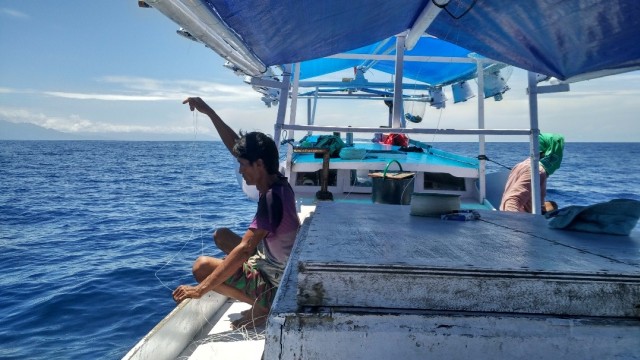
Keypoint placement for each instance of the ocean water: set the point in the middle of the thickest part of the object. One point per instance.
(95, 235)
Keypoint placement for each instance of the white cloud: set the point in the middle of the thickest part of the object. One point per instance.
(160, 90)
(17, 115)
(573, 112)
(104, 97)
(136, 89)
(14, 13)
(147, 89)
(74, 123)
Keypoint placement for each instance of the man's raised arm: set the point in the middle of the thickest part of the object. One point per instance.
(227, 134)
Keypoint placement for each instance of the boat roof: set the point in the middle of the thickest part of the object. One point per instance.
(569, 40)
(432, 73)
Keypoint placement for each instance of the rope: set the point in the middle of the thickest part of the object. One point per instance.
(484, 157)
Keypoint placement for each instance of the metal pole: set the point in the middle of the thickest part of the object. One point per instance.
(534, 146)
(282, 103)
(315, 107)
(397, 85)
(323, 128)
(294, 98)
(481, 151)
(308, 111)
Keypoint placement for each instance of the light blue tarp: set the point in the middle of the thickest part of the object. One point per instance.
(558, 38)
(430, 73)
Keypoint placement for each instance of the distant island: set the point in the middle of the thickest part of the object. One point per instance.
(25, 131)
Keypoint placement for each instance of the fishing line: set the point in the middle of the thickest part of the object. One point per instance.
(198, 224)
(190, 206)
(405, 189)
(433, 140)
(241, 333)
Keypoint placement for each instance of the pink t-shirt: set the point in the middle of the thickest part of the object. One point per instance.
(517, 192)
(277, 214)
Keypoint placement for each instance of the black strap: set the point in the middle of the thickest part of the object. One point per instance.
(484, 157)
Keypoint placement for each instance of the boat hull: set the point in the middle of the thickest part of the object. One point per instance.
(385, 334)
(176, 331)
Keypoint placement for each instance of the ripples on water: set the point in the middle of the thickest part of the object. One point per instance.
(93, 231)
(94, 235)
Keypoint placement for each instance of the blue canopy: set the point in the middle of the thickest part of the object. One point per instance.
(565, 39)
(430, 73)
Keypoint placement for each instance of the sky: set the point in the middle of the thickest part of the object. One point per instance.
(111, 68)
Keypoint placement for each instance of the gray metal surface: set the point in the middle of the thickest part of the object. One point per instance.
(373, 336)
(358, 255)
(400, 273)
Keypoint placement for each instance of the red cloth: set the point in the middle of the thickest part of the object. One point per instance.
(395, 139)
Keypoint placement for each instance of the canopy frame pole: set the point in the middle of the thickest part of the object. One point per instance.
(397, 84)
(282, 113)
(534, 145)
(422, 23)
(213, 32)
(282, 103)
(315, 108)
(482, 169)
(294, 99)
(323, 128)
(368, 64)
(309, 111)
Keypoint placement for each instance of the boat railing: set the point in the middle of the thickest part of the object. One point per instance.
(320, 128)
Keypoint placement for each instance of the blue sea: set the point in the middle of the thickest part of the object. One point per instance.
(94, 235)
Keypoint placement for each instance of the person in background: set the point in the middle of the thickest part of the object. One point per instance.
(517, 192)
(255, 261)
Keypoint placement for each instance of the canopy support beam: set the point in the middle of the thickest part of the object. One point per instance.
(534, 144)
(420, 26)
(212, 31)
(482, 193)
(282, 104)
(398, 108)
(330, 129)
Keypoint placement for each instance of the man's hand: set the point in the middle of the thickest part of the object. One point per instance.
(185, 291)
(196, 103)
(227, 135)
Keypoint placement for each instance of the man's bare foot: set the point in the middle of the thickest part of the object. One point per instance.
(251, 318)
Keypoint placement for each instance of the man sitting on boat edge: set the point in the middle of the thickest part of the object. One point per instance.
(517, 191)
(254, 263)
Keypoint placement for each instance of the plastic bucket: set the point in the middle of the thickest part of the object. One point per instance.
(394, 188)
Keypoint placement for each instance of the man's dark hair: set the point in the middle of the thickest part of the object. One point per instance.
(256, 145)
